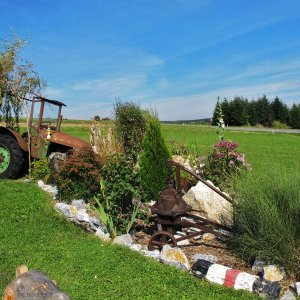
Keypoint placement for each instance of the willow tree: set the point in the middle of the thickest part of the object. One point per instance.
(18, 80)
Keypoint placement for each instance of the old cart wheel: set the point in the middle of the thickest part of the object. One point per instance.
(11, 157)
(161, 238)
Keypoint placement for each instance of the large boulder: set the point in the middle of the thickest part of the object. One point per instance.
(211, 205)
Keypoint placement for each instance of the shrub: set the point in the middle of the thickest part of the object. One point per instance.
(279, 125)
(41, 170)
(120, 183)
(130, 126)
(153, 162)
(78, 176)
(267, 214)
(224, 163)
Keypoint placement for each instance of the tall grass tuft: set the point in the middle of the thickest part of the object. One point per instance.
(267, 219)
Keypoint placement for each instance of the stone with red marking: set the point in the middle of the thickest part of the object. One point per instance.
(245, 281)
(230, 277)
(216, 273)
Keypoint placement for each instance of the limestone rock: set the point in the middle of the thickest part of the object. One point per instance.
(51, 189)
(211, 258)
(208, 236)
(273, 273)
(79, 204)
(212, 205)
(103, 236)
(83, 217)
(297, 288)
(288, 295)
(153, 254)
(68, 211)
(179, 234)
(124, 239)
(174, 257)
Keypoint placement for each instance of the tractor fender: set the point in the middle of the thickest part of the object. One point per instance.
(23, 145)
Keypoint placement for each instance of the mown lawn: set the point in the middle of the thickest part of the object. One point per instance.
(32, 233)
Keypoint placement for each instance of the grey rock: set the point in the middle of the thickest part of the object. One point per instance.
(79, 204)
(124, 239)
(211, 258)
(288, 295)
(174, 257)
(258, 266)
(83, 217)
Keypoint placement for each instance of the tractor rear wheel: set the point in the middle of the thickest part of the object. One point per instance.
(11, 157)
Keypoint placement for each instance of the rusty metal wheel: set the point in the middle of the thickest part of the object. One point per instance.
(161, 238)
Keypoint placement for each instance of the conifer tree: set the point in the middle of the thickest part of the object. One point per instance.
(153, 161)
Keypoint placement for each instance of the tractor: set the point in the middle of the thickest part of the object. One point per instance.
(42, 139)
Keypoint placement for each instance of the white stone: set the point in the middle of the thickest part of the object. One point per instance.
(174, 257)
(213, 206)
(211, 258)
(273, 273)
(216, 273)
(153, 254)
(244, 281)
(103, 236)
(136, 247)
(69, 211)
(297, 287)
(179, 234)
(51, 189)
(180, 160)
(79, 204)
(288, 295)
(124, 239)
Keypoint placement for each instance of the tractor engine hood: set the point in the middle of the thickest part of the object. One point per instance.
(68, 140)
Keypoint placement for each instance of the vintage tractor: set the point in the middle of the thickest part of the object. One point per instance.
(41, 140)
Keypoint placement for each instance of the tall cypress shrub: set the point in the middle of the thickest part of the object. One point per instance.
(153, 161)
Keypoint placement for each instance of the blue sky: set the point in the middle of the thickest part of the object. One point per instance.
(176, 56)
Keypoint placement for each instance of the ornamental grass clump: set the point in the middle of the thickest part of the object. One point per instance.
(224, 163)
(267, 220)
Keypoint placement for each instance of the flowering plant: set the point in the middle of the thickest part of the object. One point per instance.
(224, 162)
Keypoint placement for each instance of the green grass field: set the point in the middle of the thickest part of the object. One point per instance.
(278, 152)
(32, 233)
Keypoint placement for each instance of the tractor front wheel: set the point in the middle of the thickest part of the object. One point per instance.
(11, 157)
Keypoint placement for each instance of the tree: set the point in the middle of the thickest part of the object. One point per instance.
(294, 119)
(279, 110)
(252, 113)
(217, 115)
(263, 111)
(17, 80)
(239, 111)
(154, 158)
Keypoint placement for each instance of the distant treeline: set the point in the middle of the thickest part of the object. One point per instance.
(240, 112)
(206, 121)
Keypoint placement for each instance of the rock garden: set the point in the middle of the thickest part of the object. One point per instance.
(111, 192)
